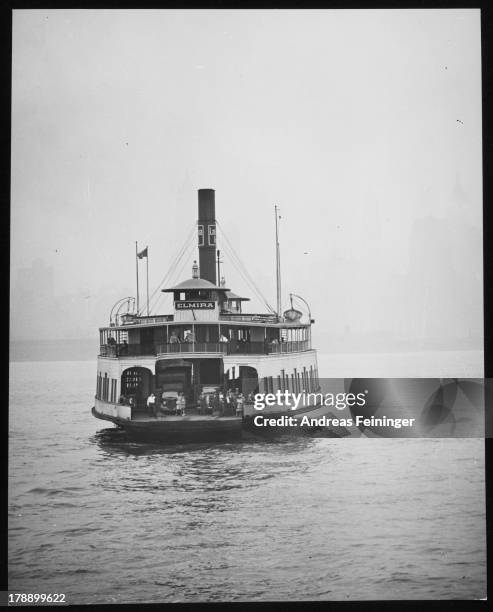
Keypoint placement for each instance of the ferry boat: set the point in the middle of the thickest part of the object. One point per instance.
(190, 375)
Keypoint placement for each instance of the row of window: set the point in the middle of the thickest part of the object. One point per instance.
(297, 382)
(106, 388)
(211, 235)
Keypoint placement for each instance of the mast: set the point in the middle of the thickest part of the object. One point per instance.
(278, 264)
(137, 274)
(147, 271)
(218, 266)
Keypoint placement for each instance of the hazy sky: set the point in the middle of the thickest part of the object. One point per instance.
(356, 123)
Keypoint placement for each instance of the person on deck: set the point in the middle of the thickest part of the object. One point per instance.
(230, 402)
(180, 404)
(151, 404)
(240, 400)
(222, 404)
(173, 339)
(161, 407)
(235, 396)
(215, 403)
(203, 407)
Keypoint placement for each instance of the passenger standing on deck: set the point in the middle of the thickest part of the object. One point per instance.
(203, 403)
(151, 404)
(189, 336)
(221, 404)
(229, 402)
(215, 403)
(173, 339)
(236, 395)
(180, 404)
(240, 400)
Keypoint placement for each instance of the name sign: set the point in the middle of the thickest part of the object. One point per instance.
(199, 305)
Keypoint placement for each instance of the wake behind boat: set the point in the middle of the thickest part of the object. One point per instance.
(192, 374)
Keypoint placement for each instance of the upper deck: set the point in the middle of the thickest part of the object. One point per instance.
(246, 334)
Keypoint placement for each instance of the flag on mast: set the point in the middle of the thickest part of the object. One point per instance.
(142, 254)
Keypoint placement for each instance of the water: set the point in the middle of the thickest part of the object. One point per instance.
(424, 364)
(105, 520)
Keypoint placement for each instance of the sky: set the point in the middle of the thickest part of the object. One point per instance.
(363, 126)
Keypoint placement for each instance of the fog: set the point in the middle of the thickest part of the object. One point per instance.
(364, 127)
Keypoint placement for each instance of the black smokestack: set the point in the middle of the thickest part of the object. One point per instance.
(207, 234)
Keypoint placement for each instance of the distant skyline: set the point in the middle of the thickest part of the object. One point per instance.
(364, 126)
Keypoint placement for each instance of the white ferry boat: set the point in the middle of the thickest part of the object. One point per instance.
(191, 374)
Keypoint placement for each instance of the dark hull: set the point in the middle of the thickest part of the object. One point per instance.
(179, 430)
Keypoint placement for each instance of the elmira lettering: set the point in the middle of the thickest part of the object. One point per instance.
(209, 305)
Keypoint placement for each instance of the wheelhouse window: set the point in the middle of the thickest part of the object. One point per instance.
(197, 294)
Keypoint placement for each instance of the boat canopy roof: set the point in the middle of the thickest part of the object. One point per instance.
(195, 284)
(232, 296)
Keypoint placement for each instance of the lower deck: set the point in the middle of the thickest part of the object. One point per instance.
(131, 381)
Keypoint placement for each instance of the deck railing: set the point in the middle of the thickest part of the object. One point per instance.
(248, 318)
(191, 347)
(220, 348)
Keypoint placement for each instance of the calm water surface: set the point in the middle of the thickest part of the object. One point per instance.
(106, 520)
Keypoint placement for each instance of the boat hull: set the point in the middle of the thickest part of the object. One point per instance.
(178, 429)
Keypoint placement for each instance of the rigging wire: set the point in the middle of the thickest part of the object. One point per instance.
(231, 256)
(172, 267)
(176, 260)
(174, 275)
(241, 267)
(246, 277)
(185, 257)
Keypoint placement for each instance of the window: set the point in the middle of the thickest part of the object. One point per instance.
(201, 235)
(212, 235)
(105, 387)
(113, 390)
